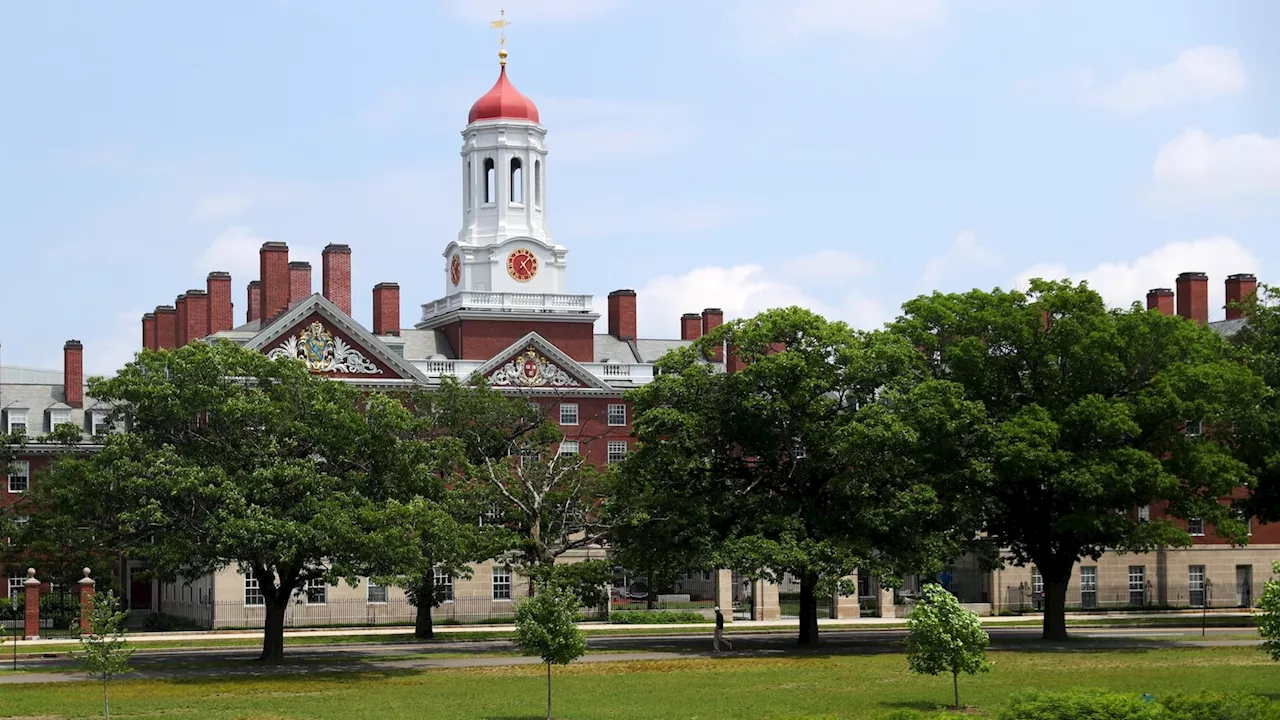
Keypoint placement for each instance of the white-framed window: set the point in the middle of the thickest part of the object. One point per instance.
(19, 476)
(568, 447)
(376, 594)
(1037, 581)
(1195, 585)
(98, 422)
(58, 416)
(617, 415)
(316, 591)
(617, 451)
(17, 586)
(1195, 527)
(1144, 513)
(444, 585)
(1137, 584)
(492, 516)
(17, 419)
(797, 449)
(1195, 428)
(568, 413)
(1089, 587)
(253, 590)
(501, 584)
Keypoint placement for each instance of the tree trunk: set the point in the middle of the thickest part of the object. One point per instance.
(1055, 603)
(808, 610)
(955, 686)
(548, 691)
(273, 627)
(426, 596)
(106, 700)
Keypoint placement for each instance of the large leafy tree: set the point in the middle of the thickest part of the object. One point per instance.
(1257, 438)
(828, 451)
(236, 459)
(1088, 408)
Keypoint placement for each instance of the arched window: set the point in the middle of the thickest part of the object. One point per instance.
(466, 191)
(517, 180)
(537, 183)
(490, 181)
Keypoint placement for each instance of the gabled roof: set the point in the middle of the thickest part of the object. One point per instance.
(532, 364)
(364, 344)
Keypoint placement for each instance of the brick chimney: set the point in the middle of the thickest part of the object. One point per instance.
(253, 301)
(299, 281)
(690, 326)
(180, 325)
(1193, 296)
(73, 373)
(221, 315)
(622, 314)
(335, 275)
(197, 315)
(1239, 288)
(1160, 299)
(149, 331)
(273, 267)
(713, 318)
(166, 327)
(386, 309)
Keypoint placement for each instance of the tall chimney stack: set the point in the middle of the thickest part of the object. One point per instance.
(386, 309)
(166, 327)
(1239, 288)
(180, 309)
(335, 275)
(149, 331)
(73, 373)
(622, 314)
(221, 317)
(273, 266)
(713, 318)
(1193, 296)
(253, 301)
(299, 281)
(197, 315)
(690, 326)
(1160, 299)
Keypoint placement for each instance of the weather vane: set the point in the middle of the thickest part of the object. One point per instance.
(501, 24)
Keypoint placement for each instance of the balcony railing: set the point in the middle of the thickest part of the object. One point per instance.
(509, 302)
(612, 373)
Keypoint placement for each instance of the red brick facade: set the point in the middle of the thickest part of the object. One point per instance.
(482, 339)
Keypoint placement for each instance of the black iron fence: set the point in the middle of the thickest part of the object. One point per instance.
(1138, 596)
(355, 613)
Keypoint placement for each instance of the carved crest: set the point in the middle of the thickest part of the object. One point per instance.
(531, 369)
(324, 352)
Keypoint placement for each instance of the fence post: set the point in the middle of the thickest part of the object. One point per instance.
(88, 587)
(31, 615)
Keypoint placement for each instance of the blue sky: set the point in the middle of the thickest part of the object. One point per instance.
(843, 154)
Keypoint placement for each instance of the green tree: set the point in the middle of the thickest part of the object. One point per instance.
(944, 637)
(546, 626)
(1269, 618)
(236, 459)
(828, 452)
(1257, 346)
(1088, 408)
(103, 652)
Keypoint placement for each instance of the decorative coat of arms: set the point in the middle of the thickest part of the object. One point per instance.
(323, 352)
(530, 369)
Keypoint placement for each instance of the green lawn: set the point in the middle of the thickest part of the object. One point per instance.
(794, 688)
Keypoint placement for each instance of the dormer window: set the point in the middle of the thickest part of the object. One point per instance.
(16, 420)
(98, 422)
(58, 416)
(1195, 428)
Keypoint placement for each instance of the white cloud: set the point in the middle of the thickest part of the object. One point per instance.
(789, 21)
(222, 206)
(1122, 283)
(965, 253)
(236, 251)
(588, 129)
(1197, 74)
(1194, 167)
(744, 290)
(520, 11)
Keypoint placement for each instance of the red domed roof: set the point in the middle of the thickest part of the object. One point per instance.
(503, 102)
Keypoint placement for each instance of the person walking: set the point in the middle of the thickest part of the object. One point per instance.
(719, 638)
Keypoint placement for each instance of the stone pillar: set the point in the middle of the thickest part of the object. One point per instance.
(846, 607)
(87, 590)
(997, 601)
(31, 626)
(887, 608)
(764, 599)
(724, 593)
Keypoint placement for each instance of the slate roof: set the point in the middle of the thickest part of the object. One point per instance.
(38, 398)
(426, 344)
(1229, 328)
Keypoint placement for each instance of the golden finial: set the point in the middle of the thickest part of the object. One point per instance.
(501, 24)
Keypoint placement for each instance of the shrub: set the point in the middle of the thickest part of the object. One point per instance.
(943, 637)
(654, 617)
(1218, 706)
(1082, 705)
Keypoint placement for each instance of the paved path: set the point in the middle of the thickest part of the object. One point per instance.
(414, 657)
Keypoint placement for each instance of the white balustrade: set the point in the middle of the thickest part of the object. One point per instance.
(511, 302)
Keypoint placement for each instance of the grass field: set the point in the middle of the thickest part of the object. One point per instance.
(794, 688)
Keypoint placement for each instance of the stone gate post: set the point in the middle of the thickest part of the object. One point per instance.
(87, 590)
(31, 616)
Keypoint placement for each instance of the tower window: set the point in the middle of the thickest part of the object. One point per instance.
(490, 180)
(467, 185)
(517, 180)
(537, 183)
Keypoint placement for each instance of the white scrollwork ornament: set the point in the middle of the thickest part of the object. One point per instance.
(530, 369)
(323, 352)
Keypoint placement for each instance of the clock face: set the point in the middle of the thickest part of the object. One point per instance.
(522, 265)
(455, 269)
